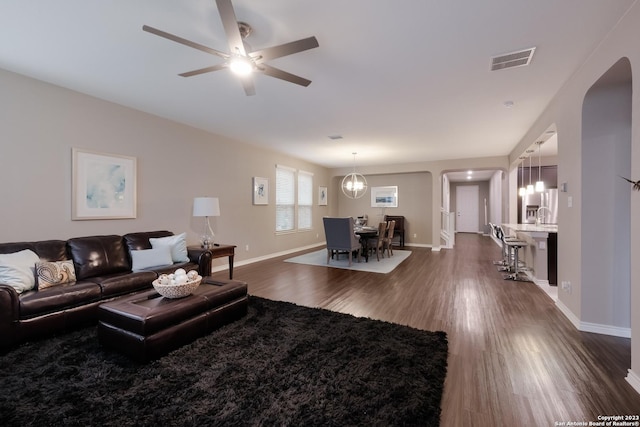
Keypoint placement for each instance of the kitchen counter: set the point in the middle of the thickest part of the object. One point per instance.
(533, 228)
(540, 253)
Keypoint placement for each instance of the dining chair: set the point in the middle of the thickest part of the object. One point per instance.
(377, 242)
(341, 237)
(388, 240)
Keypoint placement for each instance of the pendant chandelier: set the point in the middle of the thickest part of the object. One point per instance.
(530, 189)
(540, 182)
(522, 190)
(354, 185)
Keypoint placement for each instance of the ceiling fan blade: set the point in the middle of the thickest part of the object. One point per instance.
(283, 75)
(184, 41)
(247, 84)
(284, 49)
(230, 24)
(203, 70)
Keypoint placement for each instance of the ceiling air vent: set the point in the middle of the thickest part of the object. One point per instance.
(513, 59)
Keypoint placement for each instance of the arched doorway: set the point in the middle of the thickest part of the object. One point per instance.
(606, 203)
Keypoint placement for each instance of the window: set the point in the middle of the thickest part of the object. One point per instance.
(285, 198)
(305, 200)
(293, 209)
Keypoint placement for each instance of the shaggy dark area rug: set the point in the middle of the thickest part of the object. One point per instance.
(281, 365)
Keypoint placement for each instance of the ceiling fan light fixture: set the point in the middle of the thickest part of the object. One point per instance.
(241, 59)
(240, 65)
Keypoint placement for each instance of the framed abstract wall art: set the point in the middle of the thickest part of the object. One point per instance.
(260, 191)
(322, 196)
(103, 186)
(384, 197)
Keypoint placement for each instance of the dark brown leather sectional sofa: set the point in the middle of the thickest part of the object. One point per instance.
(103, 272)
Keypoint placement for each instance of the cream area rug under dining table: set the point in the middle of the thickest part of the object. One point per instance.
(384, 266)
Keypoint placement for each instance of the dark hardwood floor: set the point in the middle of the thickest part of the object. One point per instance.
(514, 359)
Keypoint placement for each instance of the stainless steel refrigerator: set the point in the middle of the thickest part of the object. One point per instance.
(531, 204)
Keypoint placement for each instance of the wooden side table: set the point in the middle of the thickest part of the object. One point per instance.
(219, 251)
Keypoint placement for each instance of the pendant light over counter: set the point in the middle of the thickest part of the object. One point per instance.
(540, 182)
(530, 188)
(522, 190)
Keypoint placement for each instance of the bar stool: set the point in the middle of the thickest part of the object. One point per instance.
(506, 262)
(516, 245)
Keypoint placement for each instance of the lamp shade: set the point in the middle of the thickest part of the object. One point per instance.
(206, 206)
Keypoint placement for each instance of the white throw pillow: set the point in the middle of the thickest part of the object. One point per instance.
(177, 243)
(19, 270)
(147, 258)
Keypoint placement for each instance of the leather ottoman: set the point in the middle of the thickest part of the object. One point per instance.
(146, 325)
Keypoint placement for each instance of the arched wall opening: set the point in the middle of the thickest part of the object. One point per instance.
(606, 203)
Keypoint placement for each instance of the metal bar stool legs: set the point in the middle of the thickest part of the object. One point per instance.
(516, 245)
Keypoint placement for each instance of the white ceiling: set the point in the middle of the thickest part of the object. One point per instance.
(402, 81)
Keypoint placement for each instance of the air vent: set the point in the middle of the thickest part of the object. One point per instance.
(513, 59)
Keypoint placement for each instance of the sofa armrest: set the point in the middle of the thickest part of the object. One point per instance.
(202, 257)
(9, 314)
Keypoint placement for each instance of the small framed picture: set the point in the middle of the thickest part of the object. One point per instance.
(260, 191)
(322, 196)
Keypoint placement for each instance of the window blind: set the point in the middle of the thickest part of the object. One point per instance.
(285, 198)
(305, 200)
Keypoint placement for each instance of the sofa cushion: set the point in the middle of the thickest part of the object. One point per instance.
(140, 241)
(56, 273)
(18, 270)
(146, 258)
(58, 298)
(124, 283)
(47, 250)
(177, 244)
(98, 256)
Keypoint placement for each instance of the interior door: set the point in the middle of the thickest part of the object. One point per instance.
(467, 213)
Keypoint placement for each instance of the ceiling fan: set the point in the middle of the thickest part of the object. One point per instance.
(239, 59)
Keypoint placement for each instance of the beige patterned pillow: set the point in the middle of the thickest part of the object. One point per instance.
(54, 273)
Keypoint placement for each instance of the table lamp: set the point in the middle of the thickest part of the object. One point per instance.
(206, 207)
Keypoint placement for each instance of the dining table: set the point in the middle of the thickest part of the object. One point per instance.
(365, 234)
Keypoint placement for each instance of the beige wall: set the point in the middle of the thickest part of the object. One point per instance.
(414, 203)
(40, 123)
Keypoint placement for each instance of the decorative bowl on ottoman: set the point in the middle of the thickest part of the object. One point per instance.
(177, 285)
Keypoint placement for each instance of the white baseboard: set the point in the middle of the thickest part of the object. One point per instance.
(540, 282)
(568, 314)
(633, 379)
(596, 328)
(419, 245)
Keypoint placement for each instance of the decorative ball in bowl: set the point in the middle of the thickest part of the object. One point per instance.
(177, 285)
